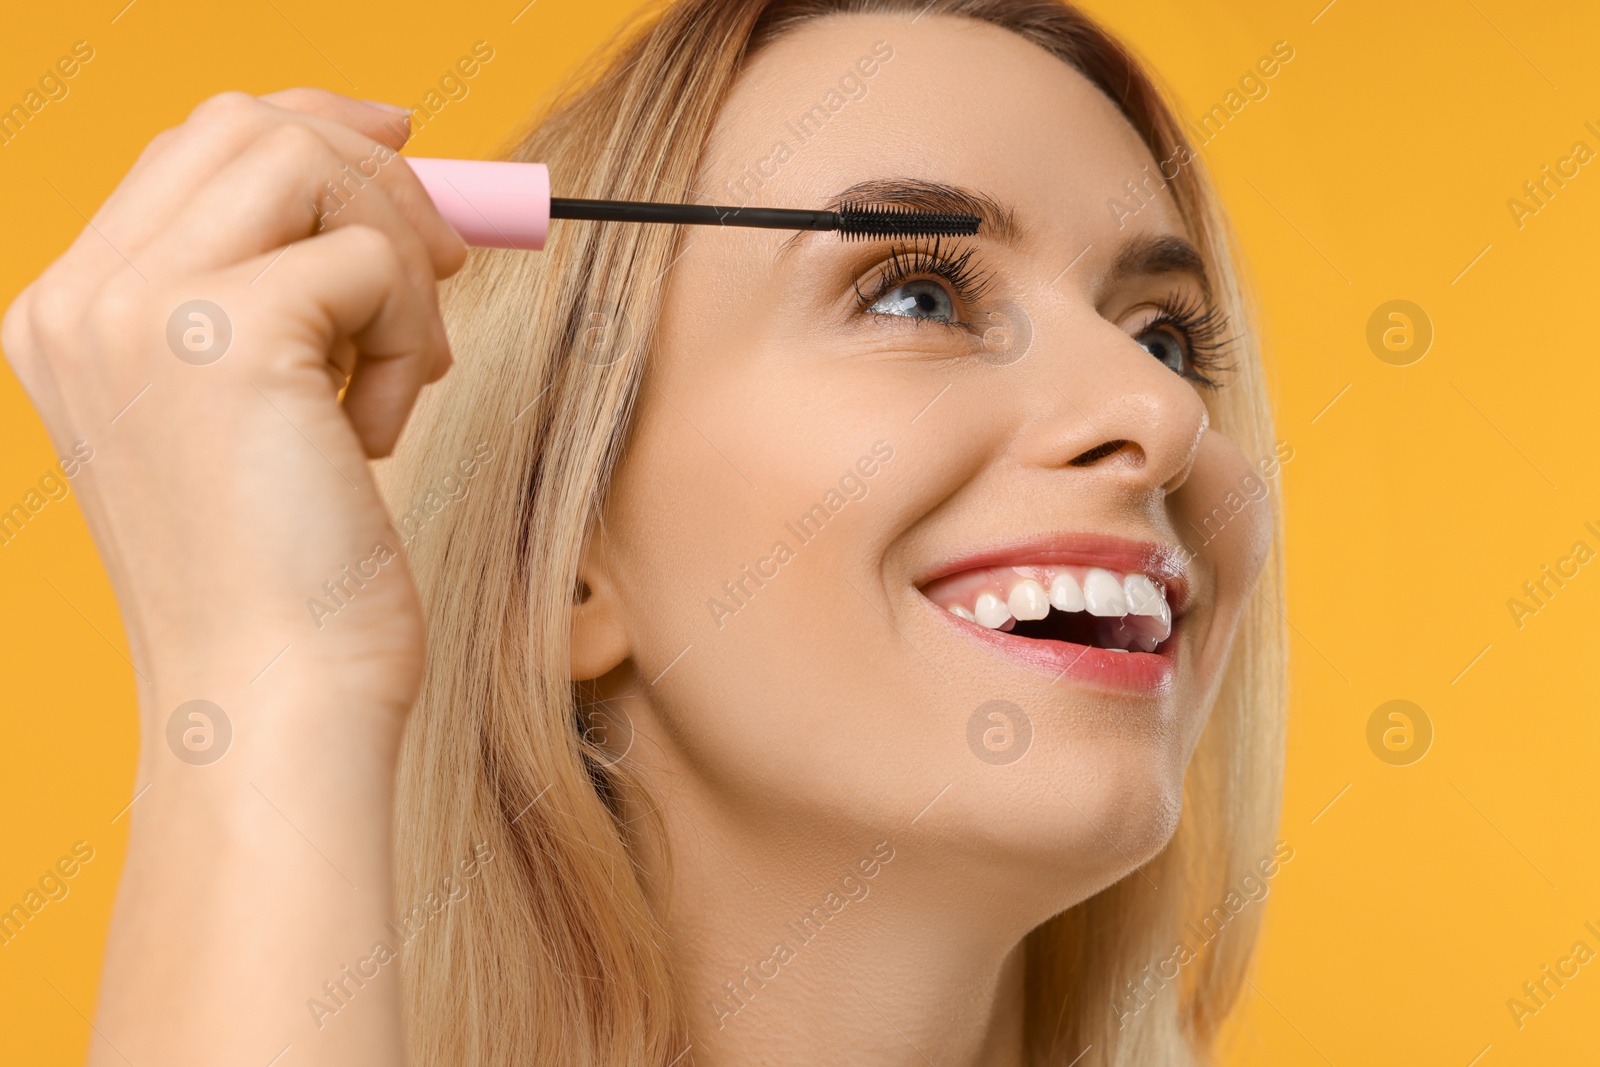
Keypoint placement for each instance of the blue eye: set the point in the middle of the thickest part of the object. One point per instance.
(928, 281)
(1167, 347)
(919, 299)
(1190, 338)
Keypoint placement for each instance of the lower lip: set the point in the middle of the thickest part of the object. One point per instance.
(1128, 672)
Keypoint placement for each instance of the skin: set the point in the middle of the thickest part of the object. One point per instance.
(830, 711)
(825, 717)
(220, 500)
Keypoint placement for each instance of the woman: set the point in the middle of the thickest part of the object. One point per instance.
(836, 651)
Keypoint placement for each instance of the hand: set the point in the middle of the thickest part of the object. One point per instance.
(195, 337)
(228, 484)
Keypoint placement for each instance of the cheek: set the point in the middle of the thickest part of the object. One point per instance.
(756, 610)
(1223, 516)
(739, 595)
(739, 484)
(753, 433)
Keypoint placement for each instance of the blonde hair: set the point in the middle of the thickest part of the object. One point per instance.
(555, 954)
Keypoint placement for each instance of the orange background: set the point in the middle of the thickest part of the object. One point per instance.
(1419, 499)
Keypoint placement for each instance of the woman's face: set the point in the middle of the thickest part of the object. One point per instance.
(863, 471)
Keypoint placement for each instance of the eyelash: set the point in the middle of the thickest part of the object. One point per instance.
(925, 258)
(1202, 326)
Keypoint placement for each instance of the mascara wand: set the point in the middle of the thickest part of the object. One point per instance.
(495, 204)
(852, 220)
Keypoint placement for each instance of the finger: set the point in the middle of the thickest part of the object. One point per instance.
(179, 161)
(341, 364)
(172, 166)
(442, 367)
(261, 202)
(355, 281)
(381, 122)
(380, 397)
(249, 209)
(20, 339)
(335, 117)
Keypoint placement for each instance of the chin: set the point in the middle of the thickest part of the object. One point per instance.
(1073, 828)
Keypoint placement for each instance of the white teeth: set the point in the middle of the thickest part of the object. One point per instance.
(991, 611)
(1065, 592)
(1028, 600)
(1143, 596)
(1102, 593)
(1145, 599)
(1099, 592)
(1165, 619)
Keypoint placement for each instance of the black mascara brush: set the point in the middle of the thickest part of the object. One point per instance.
(852, 220)
(508, 205)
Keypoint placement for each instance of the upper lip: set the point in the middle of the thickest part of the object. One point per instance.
(1160, 561)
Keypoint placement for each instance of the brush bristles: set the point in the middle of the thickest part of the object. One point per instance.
(857, 222)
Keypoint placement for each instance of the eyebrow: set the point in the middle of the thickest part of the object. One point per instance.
(1163, 254)
(1142, 256)
(995, 220)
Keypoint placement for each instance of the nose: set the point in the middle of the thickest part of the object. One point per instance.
(1116, 410)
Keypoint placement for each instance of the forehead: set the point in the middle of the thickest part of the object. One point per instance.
(846, 98)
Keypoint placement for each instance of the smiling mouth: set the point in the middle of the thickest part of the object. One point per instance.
(1090, 606)
(1103, 610)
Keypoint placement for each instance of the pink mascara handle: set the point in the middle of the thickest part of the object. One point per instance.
(491, 204)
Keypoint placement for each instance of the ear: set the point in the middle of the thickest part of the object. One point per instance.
(599, 636)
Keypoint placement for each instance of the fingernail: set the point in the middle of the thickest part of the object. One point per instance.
(395, 108)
